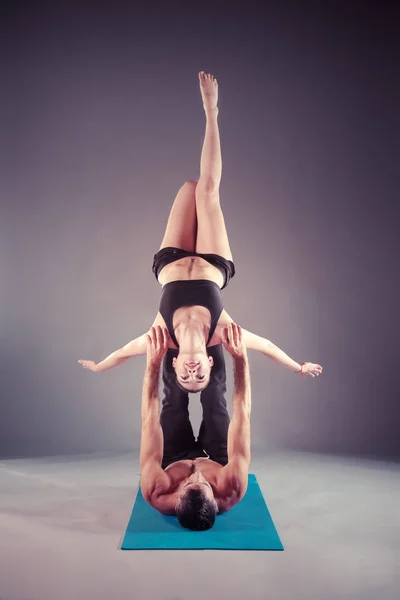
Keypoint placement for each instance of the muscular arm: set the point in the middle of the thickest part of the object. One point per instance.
(154, 481)
(239, 427)
(151, 447)
(235, 473)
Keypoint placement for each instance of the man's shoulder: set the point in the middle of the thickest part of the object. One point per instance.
(155, 484)
(164, 503)
(233, 479)
(154, 481)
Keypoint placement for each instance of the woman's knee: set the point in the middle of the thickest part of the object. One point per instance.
(207, 190)
(189, 185)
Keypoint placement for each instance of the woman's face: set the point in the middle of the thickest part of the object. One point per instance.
(193, 370)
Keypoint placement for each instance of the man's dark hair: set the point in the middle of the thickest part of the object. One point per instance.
(195, 511)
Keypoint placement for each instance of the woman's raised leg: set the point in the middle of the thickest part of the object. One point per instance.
(211, 231)
(182, 222)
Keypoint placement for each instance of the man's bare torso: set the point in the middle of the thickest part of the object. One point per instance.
(179, 471)
(182, 469)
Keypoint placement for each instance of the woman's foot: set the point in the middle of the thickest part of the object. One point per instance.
(209, 92)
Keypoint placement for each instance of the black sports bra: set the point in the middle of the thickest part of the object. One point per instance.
(192, 292)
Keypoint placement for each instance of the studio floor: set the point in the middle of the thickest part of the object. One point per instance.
(62, 520)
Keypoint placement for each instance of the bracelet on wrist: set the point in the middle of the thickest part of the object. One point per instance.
(301, 369)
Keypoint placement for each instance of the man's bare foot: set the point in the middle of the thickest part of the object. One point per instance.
(209, 92)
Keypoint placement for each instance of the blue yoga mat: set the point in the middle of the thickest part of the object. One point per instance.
(247, 526)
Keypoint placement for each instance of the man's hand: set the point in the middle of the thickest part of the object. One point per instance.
(88, 365)
(311, 369)
(157, 344)
(233, 342)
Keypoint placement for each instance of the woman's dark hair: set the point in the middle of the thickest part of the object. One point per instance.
(190, 391)
(195, 511)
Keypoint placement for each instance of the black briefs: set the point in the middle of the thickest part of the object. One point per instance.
(165, 256)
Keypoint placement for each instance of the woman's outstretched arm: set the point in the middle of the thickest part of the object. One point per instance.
(256, 342)
(118, 357)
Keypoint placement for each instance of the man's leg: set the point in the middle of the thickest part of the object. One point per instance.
(213, 433)
(211, 231)
(179, 441)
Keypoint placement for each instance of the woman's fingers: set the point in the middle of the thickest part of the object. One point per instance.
(312, 369)
(88, 365)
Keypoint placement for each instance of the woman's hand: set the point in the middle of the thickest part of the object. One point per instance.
(310, 369)
(157, 344)
(88, 365)
(232, 339)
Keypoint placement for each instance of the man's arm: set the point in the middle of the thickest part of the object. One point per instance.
(235, 473)
(118, 357)
(151, 447)
(154, 481)
(239, 427)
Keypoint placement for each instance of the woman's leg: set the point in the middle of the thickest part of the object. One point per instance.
(211, 231)
(182, 223)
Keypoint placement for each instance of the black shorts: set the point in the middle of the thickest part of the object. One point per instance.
(165, 256)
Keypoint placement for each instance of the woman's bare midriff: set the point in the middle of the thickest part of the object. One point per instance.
(189, 268)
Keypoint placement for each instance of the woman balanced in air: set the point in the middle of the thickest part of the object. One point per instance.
(193, 265)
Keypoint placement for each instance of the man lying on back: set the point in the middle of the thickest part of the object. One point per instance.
(199, 489)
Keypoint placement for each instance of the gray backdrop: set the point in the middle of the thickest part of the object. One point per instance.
(101, 124)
